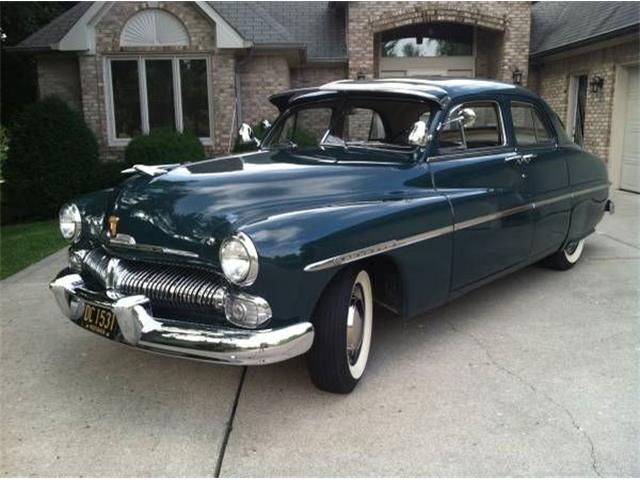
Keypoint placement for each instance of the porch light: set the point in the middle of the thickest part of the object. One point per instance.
(516, 76)
(596, 84)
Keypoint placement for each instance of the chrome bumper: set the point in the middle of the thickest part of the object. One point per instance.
(140, 329)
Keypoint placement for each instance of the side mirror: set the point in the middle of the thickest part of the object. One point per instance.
(246, 135)
(418, 134)
(466, 116)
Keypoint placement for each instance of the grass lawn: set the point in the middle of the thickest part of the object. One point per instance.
(26, 243)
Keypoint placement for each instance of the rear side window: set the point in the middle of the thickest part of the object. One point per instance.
(470, 126)
(528, 125)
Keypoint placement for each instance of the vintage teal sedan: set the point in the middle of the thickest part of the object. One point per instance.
(396, 194)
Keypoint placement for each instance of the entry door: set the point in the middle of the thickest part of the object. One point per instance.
(577, 108)
(477, 169)
(630, 172)
(546, 175)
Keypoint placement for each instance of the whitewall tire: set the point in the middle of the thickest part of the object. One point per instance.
(343, 323)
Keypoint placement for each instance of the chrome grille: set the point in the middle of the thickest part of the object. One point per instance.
(174, 286)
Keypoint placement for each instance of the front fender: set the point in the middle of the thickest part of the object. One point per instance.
(287, 243)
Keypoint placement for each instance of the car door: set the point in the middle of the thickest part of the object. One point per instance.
(546, 172)
(476, 167)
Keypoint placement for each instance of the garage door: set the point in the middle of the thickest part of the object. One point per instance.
(630, 174)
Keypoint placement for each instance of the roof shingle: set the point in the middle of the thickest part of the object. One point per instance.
(53, 32)
(556, 25)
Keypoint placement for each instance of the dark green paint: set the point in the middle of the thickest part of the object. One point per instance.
(302, 206)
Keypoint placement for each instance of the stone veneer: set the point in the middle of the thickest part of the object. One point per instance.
(551, 79)
(509, 20)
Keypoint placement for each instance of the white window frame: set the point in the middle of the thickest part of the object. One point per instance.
(114, 141)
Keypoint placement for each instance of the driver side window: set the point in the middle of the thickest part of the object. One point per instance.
(471, 126)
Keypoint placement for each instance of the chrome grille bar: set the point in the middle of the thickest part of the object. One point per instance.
(172, 286)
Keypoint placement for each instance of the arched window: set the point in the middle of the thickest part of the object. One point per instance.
(154, 28)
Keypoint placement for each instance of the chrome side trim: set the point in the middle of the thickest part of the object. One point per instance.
(365, 252)
(361, 253)
(491, 217)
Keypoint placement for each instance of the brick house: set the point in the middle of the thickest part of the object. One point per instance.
(208, 66)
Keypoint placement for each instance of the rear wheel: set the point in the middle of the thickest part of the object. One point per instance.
(343, 323)
(567, 257)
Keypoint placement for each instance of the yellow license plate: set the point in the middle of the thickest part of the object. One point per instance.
(99, 320)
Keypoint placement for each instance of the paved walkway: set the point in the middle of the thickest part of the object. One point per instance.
(537, 374)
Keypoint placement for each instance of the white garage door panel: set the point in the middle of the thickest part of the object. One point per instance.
(630, 173)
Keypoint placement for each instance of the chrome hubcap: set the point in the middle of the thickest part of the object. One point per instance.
(571, 248)
(355, 323)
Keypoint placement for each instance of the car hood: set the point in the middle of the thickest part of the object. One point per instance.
(195, 206)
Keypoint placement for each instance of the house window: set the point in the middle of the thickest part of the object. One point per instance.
(155, 92)
(430, 40)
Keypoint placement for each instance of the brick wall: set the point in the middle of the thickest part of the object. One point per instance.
(552, 78)
(313, 76)
(510, 20)
(59, 76)
(261, 77)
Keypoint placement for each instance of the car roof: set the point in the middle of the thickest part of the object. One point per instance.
(441, 90)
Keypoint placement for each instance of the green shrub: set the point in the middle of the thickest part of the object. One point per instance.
(51, 159)
(164, 145)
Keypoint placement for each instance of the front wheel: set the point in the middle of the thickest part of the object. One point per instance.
(567, 257)
(343, 323)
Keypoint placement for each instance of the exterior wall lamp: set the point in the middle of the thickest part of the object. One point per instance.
(516, 76)
(596, 84)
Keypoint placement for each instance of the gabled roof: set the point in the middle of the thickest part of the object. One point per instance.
(559, 26)
(50, 35)
(316, 27)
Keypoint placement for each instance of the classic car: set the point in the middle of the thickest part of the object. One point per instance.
(396, 194)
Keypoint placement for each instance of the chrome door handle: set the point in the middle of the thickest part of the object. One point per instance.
(527, 158)
(514, 158)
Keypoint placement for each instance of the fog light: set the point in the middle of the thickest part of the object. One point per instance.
(246, 310)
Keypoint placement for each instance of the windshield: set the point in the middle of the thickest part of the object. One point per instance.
(366, 123)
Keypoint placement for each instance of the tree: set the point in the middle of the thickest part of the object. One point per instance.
(19, 82)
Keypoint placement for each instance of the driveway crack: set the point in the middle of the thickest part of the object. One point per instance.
(520, 379)
(229, 426)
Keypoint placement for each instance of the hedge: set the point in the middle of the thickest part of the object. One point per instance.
(164, 145)
(51, 158)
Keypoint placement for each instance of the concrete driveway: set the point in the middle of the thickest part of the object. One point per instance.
(537, 374)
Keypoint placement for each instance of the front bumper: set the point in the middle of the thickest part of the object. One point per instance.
(140, 329)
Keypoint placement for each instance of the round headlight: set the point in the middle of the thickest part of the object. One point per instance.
(70, 222)
(239, 260)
